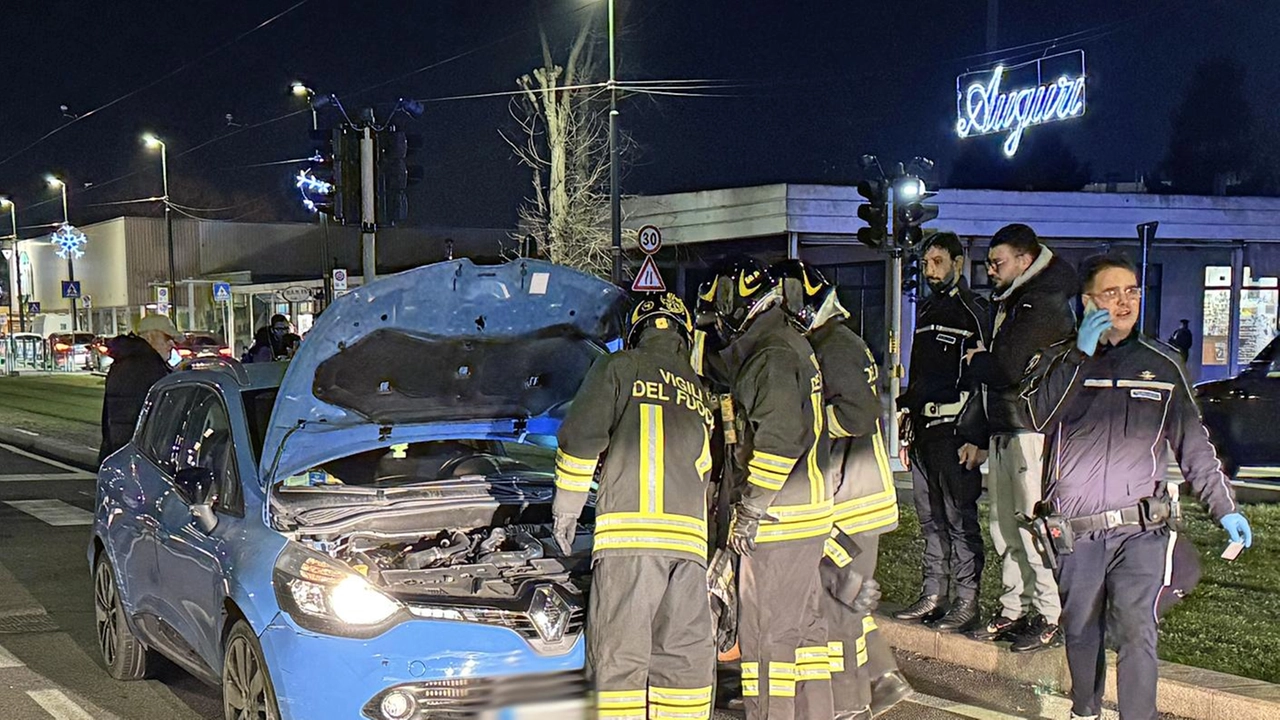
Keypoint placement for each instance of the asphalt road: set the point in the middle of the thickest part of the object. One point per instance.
(49, 661)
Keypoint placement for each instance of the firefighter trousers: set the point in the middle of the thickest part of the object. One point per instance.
(786, 665)
(650, 642)
(859, 653)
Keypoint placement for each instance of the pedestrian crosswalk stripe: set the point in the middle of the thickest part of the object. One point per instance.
(57, 704)
(7, 660)
(39, 477)
(45, 460)
(53, 512)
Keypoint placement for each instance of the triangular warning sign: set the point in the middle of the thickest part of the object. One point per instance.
(648, 279)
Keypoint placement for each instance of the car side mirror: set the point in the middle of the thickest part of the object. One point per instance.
(199, 488)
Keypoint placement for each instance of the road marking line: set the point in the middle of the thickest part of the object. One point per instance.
(27, 432)
(959, 708)
(40, 477)
(41, 458)
(53, 512)
(57, 704)
(7, 660)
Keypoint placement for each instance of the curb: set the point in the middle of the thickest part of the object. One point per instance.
(75, 456)
(1184, 691)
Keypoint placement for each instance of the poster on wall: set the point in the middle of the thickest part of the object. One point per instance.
(1217, 326)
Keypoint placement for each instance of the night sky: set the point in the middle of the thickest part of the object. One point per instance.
(811, 85)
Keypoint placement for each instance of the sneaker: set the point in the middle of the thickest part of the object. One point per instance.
(1000, 627)
(1040, 635)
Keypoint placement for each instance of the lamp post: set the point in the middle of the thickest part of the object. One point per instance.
(301, 90)
(55, 182)
(15, 290)
(615, 199)
(153, 142)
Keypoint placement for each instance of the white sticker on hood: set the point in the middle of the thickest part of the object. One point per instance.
(538, 284)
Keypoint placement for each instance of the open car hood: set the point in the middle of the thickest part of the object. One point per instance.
(447, 347)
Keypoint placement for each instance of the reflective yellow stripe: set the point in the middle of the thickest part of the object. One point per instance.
(782, 679)
(833, 424)
(751, 679)
(868, 624)
(813, 663)
(836, 554)
(663, 522)
(866, 522)
(701, 712)
(650, 542)
(835, 652)
(679, 696)
(817, 478)
(651, 458)
(575, 465)
(698, 352)
(573, 474)
(626, 714)
(796, 522)
(703, 465)
(623, 704)
(679, 704)
(777, 463)
(642, 531)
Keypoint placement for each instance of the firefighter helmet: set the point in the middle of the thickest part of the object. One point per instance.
(661, 311)
(804, 290)
(738, 291)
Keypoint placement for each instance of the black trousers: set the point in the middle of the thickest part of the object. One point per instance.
(946, 499)
(1111, 583)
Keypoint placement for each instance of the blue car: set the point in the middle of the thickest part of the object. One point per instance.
(365, 531)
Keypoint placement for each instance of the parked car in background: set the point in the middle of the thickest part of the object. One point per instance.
(1243, 413)
(201, 342)
(71, 351)
(365, 531)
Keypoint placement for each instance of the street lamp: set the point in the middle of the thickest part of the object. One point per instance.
(615, 200)
(300, 90)
(153, 142)
(56, 182)
(15, 291)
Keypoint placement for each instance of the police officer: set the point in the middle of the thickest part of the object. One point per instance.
(1033, 293)
(946, 481)
(865, 677)
(1125, 399)
(782, 511)
(649, 636)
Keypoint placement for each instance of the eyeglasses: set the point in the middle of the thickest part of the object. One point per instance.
(994, 264)
(1133, 292)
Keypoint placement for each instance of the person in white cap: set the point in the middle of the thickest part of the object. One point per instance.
(139, 359)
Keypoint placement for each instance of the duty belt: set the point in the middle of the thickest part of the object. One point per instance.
(945, 410)
(1129, 516)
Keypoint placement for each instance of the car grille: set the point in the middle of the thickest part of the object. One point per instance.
(466, 698)
(517, 621)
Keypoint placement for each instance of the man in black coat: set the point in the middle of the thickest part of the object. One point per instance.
(138, 361)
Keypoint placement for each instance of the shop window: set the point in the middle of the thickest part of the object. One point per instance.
(1259, 314)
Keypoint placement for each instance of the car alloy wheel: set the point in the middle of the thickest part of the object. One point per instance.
(125, 657)
(247, 692)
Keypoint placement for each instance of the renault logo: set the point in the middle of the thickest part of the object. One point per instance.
(549, 613)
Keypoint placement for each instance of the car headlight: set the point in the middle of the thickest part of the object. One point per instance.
(323, 595)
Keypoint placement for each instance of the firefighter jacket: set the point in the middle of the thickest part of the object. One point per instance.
(858, 468)
(647, 409)
(783, 445)
(1032, 314)
(950, 323)
(1109, 422)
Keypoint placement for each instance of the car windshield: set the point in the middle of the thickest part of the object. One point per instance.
(433, 461)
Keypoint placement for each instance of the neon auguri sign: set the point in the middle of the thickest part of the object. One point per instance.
(1011, 99)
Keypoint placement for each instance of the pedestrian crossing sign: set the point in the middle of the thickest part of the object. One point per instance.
(222, 292)
(648, 279)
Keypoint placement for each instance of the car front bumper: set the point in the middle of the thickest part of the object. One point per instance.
(489, 671)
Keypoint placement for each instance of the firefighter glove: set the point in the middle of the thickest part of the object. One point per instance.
(742, 528)
(1096, 322)
(843, 585)
(565, 530)
(868, 598)
(1238, 529)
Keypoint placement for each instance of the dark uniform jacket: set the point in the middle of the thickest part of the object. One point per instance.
(135, 367)
(858, 469)
(1033, 314)
(645, 407)
(1109, 421)
(783, 446)
(950, 324)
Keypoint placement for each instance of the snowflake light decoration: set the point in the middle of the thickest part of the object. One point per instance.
(69, 241)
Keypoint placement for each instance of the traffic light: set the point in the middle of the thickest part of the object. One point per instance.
(875, 212)
(911, 273)
(910, 212)
(394, 175)
(331, 185)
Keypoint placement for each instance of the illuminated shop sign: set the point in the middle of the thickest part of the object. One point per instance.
(1011, 99)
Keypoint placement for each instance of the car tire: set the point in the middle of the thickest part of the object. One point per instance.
(247, 690)
(124, 655)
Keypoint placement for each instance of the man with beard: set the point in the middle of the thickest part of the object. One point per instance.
(1126, 402)
(1033, 294)
(946, 481)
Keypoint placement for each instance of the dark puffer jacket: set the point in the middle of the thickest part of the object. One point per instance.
(135, 367)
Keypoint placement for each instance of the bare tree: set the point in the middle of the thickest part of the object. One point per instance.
(563, 139)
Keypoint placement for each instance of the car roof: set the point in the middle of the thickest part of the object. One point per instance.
(244, 376)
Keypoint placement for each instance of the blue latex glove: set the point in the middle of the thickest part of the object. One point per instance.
(1238, 529)
(1095, 324)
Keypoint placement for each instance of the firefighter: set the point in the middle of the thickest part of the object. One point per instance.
(782, 506)
(1108, 516)
(865, 678)
(649, 636)
(943, 463)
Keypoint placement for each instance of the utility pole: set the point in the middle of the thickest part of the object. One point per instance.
(993, 25)
(368, 210)
(893, 357)
(615, 197)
